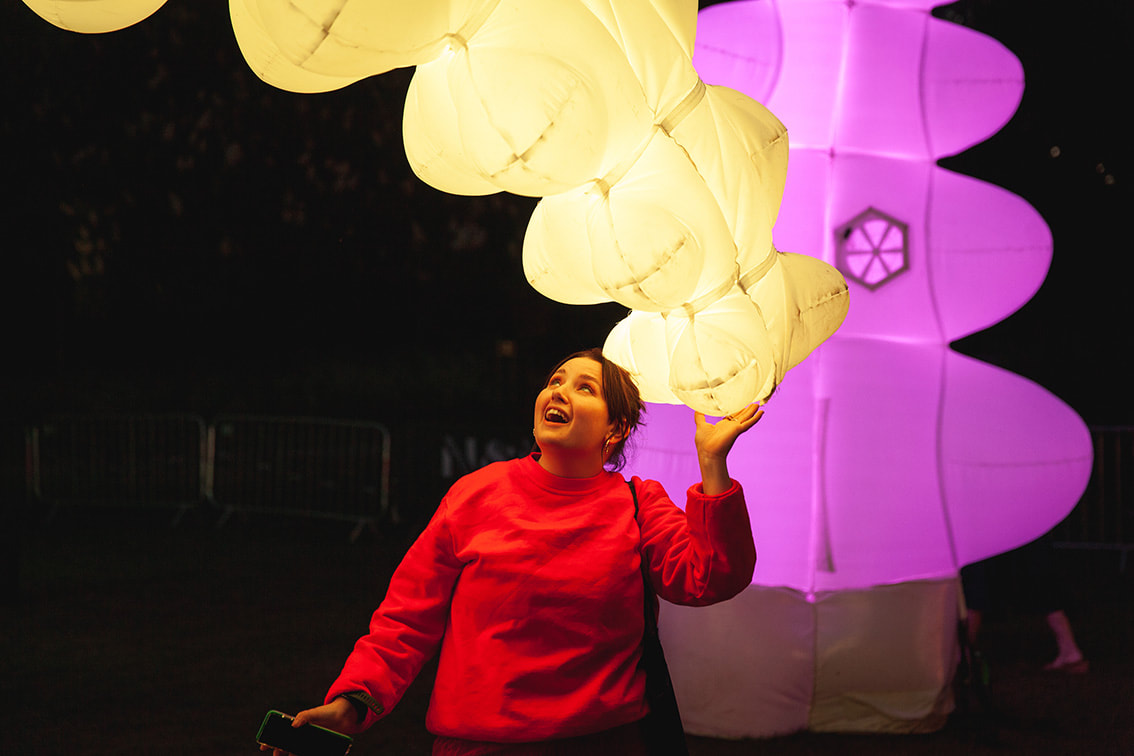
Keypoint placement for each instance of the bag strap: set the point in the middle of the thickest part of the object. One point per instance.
(650, 596)
(664, 733)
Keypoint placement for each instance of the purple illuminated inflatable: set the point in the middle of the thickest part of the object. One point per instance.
(886, 461)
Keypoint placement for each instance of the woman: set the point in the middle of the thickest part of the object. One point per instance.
(528, 580)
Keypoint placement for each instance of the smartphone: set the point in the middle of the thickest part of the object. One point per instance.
(309, 740)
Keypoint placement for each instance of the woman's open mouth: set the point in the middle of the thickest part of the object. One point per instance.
(555, 416)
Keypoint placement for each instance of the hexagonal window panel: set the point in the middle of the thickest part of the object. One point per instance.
(872, 248)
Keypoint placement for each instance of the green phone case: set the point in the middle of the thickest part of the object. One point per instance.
(309, 740)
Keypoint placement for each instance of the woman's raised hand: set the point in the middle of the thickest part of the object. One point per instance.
(715, 440)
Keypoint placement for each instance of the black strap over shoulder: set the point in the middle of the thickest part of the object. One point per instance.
(662, 728)
(651, 602)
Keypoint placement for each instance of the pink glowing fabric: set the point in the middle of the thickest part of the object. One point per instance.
(889, 457)
(888, 461)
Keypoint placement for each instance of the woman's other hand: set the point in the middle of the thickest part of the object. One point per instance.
(338, 715)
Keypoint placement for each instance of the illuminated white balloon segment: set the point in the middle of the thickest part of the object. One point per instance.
(94, 16)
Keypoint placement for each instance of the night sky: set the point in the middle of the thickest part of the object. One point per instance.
(182, 236)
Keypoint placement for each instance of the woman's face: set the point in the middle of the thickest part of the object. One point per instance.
(570, 412)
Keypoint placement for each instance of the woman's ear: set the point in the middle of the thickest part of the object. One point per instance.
(615, 436)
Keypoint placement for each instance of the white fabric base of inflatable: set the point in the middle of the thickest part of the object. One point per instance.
(772, 662)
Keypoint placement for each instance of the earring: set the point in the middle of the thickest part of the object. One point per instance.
(605, 447)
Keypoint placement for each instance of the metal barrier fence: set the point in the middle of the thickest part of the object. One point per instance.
(1104, 517)
(304, 466)
(280, 465)
(341, 469)
(123, 460)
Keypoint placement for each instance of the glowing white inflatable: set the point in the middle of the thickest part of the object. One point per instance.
(94, 16)
(659, 192)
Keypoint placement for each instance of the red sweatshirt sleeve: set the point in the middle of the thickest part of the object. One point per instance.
(703, 555)
(407, 627)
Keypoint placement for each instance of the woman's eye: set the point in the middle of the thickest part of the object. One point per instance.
(587, 388)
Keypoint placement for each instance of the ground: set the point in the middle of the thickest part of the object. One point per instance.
(125, 635)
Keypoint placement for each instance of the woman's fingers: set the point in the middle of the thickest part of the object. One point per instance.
(745, 417)
(748, 413)
(751, 412)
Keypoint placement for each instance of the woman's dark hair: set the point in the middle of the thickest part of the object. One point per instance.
(624, 404)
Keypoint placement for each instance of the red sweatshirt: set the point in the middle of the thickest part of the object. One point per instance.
(531, 586)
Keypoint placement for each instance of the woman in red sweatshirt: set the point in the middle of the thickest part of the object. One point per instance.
(527, 581)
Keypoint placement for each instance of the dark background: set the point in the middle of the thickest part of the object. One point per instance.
(179, 235)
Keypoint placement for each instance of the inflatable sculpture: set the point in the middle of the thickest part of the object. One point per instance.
(888, 461)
